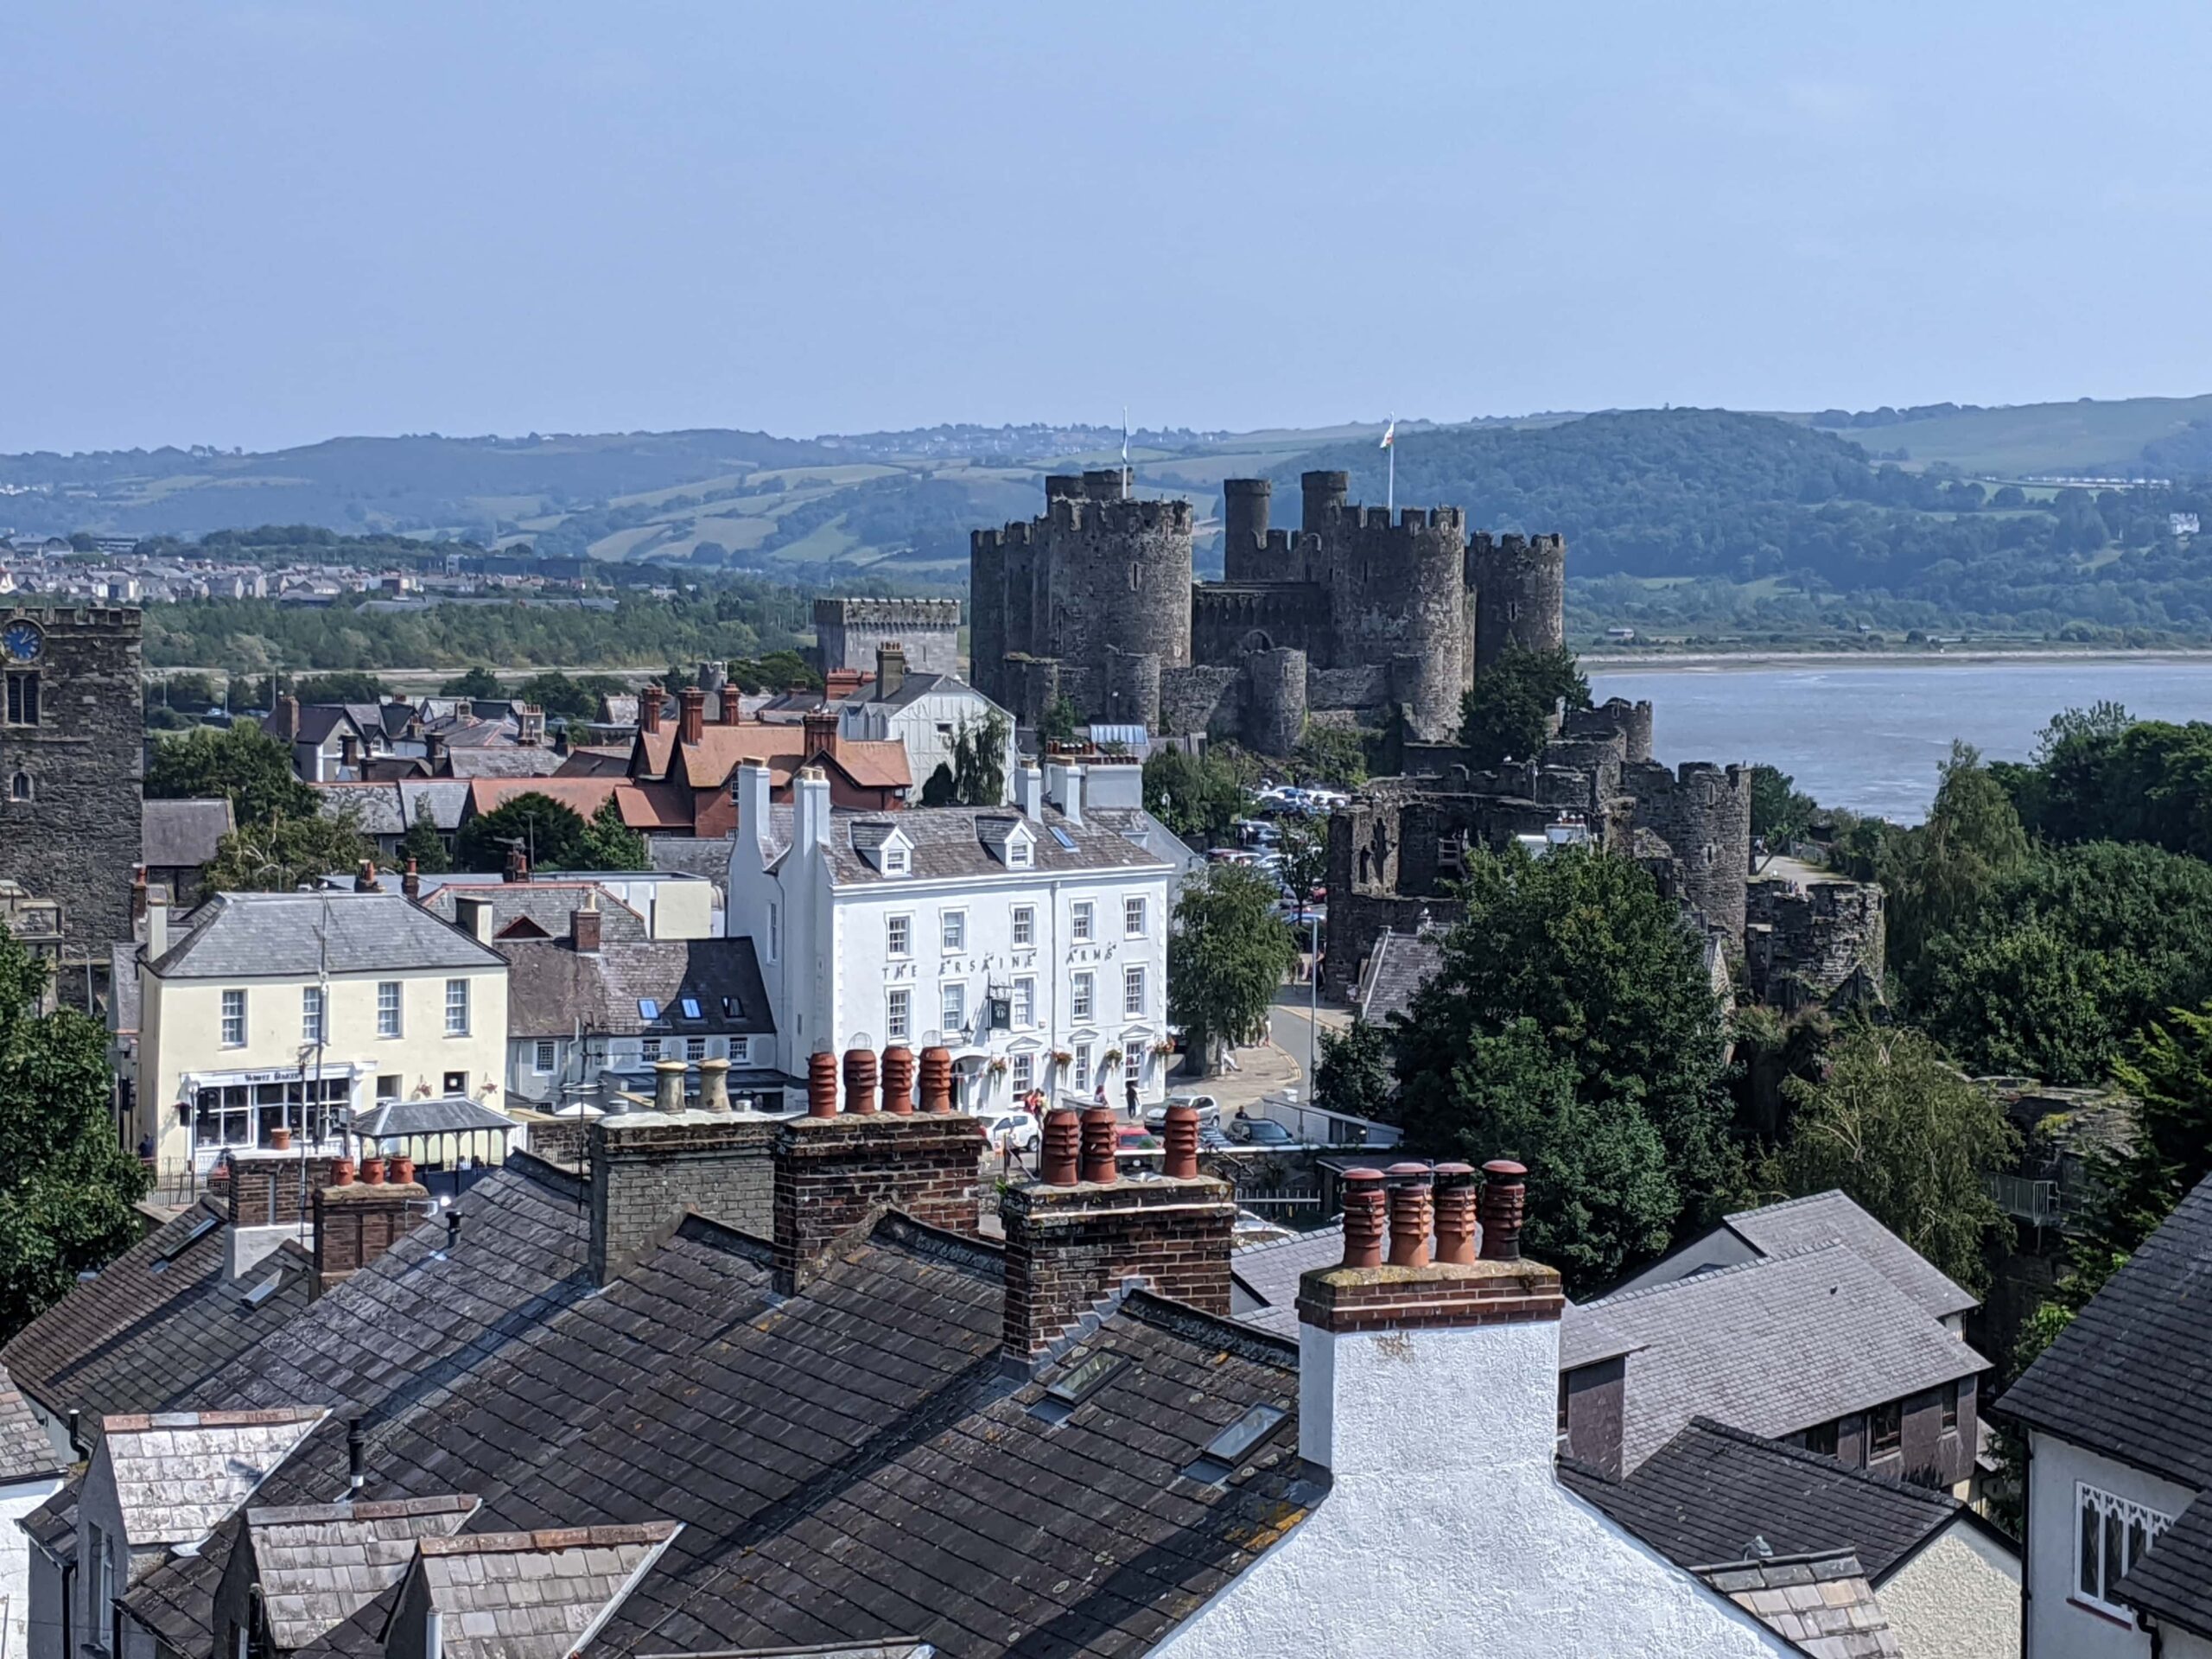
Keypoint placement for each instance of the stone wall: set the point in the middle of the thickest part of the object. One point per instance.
(1227, 621)
(1397, 600)
(848, 631)
(1805, 944)
(1703, 812)
(1520, 585)
(70, 774)
(1205, 698)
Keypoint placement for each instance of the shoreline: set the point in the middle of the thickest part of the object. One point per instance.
(1650, 663)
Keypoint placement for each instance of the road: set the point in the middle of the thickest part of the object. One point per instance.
(1287, 1027)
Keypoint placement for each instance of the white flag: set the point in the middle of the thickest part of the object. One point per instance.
(1390, 432)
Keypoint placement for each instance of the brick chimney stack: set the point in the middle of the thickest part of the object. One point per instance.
(1074, 1235)
(691, 702)
(648, 1168)
(1411, 1367)
(356, 1223)
(821, 725)
(732, 706)
(890, 670)
(584, 924)
(411, 883)
(649, 705)
(836, 1173)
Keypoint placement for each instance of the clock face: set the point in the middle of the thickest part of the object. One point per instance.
(23, 642)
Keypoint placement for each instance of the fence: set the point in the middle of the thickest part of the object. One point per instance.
(2035, 1202)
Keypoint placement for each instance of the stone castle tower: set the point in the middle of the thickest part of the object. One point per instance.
(1357, 613)
(71, 764)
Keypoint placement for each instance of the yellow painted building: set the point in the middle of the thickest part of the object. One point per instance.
(262, 1013)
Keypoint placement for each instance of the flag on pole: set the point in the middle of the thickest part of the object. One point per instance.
(1125, 450)
(1389, 442)
(1390, 432)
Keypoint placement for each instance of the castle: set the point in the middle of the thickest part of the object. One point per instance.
(848, 632)
(1354, 613)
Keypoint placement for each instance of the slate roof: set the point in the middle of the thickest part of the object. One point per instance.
(705, 855)
(1270, 1272)
(536, 761)
(851, 1466)
(26, 1450)
(178, 834)
(2131, 1377)
(1823, 1604)
(1733, 1345)
(533, 1595)
(2173, 1583)
(947, 843)
(545, 907)
(177, 1474)
(249, 934)
(446, 1114)
(1707, 1493)
(320, 1564)
(550, 988)
(1831, 1218)
(1399, 966)
(156, 1320)
(389, 808)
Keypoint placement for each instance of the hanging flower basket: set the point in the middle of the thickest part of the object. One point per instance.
(1061, 1057)
(998, 1067)
(1163, 1046)
(1110, 1058)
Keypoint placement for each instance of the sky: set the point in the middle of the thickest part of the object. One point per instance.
(262, 224)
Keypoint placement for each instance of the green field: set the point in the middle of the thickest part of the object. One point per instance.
(2068, 439)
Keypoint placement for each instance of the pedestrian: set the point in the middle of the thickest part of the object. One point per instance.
(1129, 1090)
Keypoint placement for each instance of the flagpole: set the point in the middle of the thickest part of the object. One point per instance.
(1125, 450)
(1390, 443)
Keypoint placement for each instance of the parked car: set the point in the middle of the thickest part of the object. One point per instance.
(1017, 1130)
(1260, 1132)
(1155, 1117)
(1134, 1137)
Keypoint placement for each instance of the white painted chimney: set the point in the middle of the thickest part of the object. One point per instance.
(812, 791)
(157, 928)
(1064, 784)
(752, 800)
(1029, 790)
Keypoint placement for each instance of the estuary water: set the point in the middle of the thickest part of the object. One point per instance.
(1869, 735)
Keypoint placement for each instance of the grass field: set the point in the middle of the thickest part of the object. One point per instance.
(2081, 437)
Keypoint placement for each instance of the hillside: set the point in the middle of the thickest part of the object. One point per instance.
(2162, 437)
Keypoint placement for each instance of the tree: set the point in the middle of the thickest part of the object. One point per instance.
(1330, 756)
(1972, 840)
(1779, 812)
(562, 698)
(285, 852)
(610, 844)
(1195, 795)
(1898, 1128)
(1507, 714)
(1353, 1072)
(978, 776)
(1058, 722)
(548, 834)
(1227, 957)
(422, 845)
(253, 769)
(1571, 1023)
(350, 685)
(476, 683)
(2167, 1074)
(68, 1186)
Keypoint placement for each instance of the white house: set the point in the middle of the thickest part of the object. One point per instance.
(2117, 1414)
(925, 712)
(1029, 941)
(269, 1016)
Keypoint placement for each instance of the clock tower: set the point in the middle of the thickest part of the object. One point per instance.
(72, 735)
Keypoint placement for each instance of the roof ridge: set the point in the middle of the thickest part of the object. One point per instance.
(1826, 1464)
(1224, 1330)
(540, 1540)
(1734, 1216)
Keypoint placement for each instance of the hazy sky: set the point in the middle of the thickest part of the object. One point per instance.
(264, 224)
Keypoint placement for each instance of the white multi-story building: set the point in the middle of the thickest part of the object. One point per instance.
(1031, 942)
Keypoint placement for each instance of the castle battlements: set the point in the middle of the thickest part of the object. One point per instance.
(1128, 516)
(1354, 516)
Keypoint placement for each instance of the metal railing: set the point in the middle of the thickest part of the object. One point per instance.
(2035, 1202)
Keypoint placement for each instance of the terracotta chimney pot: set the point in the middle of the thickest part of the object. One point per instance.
(692, 713)
(1363, 1207)
(1063, 1153)
(1455, 1214)
(732, 709)
(411, 883)
(1181, 1162)
(649, 701)
(1099, 1126)
(822, 1085)
(936, 1079)
(898, 1080)
(1503, 1195)
(1410, 1214)
(860, 1082)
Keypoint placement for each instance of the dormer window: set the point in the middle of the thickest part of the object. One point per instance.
(894, 861)
(1009, 841)
(1019, 856)
(884, 846)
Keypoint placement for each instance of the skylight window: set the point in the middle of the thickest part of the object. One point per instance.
(1062, 836)
(1231, 1446)
(691, 1006)
(648, 1008)
(262, 1292)
(1085, 1379)
(729, 1008)
(200, 1229)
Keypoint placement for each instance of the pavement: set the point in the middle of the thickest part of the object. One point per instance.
(1277, 1064)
